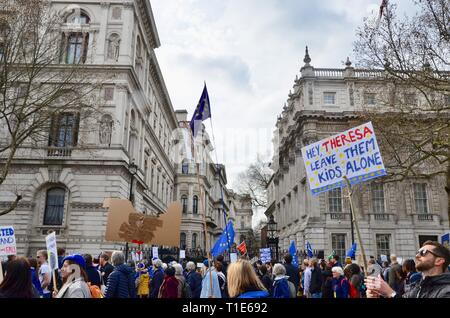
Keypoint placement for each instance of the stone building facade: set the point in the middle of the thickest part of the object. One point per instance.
(64, 186)
(393, 217)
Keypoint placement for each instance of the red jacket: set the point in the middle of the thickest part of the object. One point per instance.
(169, 288)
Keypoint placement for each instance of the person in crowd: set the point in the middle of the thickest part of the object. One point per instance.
(61, 254)
(45, 273)
(374, 269)
(169, 287)
(142, 281)
(266, 279)
(327, 278)
(292, 271)
(35, 276)
(184, 290)
(210, 274)
(307, 278)
(412, 277)
(157, 279)
(74, 278)
(9, 259)
(194, 279)
(385, 270)
(348, 260)
(121, 281)
(282, 287)
(17, 282)
(352, 273)
(243, 282)
(105, 267)
(94, 275)
(222, 279)
(336, 262)
(395, 274)
(340, 284)
(221, 259)
(96, 263)
(432, 260)
(315, 287)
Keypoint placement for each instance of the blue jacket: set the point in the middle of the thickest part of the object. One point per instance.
(281, 288)
(254, 294)
(194, 280)
(341, 287)
(156, 282)
(121, 283)
(35, 281)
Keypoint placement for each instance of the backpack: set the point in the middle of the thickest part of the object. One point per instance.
(95, 291)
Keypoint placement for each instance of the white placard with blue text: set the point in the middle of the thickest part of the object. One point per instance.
(353, 153)
(7, 241)
(52, 252)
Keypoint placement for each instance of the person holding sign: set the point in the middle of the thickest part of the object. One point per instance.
(44, 273)
(74, 278)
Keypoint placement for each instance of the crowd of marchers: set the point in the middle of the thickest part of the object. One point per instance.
(82, 276)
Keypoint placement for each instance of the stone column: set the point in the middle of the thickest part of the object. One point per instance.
(190, 198)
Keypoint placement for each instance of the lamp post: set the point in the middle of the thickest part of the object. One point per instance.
(272, 231)
(132, 168)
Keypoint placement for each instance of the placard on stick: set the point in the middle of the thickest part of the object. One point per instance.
(353, 154)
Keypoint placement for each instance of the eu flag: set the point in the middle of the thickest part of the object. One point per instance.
(202, 112)
(293, 252)
(309, 250)
(222, 243)
(351, 253)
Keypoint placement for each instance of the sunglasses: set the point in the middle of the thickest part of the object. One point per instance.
(38, 257)
(423, 252)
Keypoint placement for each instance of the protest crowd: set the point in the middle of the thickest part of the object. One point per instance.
(82, 276)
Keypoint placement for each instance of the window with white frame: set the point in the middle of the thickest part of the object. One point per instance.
(383, 244)
(335, 200)
(420, 198)
(329, 98)
(338, 244)
(377, 191)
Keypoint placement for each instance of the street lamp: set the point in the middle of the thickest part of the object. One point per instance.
(132, 168)
(272, 231)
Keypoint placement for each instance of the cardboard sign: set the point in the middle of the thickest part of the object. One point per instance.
(50, 241)
(155, 252)
(7, 241)
(182, 254)
(265, 255)
(353, 154)
(233, 257)
(125, 224)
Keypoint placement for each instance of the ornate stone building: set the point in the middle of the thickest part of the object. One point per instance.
(64, 185)
(393, 217)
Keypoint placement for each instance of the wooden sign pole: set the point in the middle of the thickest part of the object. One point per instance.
(355, 222)
(1, 272)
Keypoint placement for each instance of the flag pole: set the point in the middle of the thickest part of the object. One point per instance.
(355, 222)
(202, 208)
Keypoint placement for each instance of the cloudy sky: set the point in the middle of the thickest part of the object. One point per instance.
(249, 52)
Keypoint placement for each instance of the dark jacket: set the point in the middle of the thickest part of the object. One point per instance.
(107, 270)
(431, 287)
(394, 277)
(327, 286)
(341, 287)
(94, 277)
(267, 282)
(121, 283)
(194, 280)
(156, 282)
(294, 275)
(316, 281)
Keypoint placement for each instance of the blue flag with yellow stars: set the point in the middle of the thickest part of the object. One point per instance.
(202, 112)
(222, 243)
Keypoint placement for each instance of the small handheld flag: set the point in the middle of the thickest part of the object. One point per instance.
(202, 112)
(293, 252)
(222, 243)
(242, 248)
(309, 250)
(352, 252)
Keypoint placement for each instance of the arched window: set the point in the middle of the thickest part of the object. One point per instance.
(183, 241)
(184, 202)
(74, 45)
(195, 205)
(54, 206)
(194, 240)
(79, 18)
